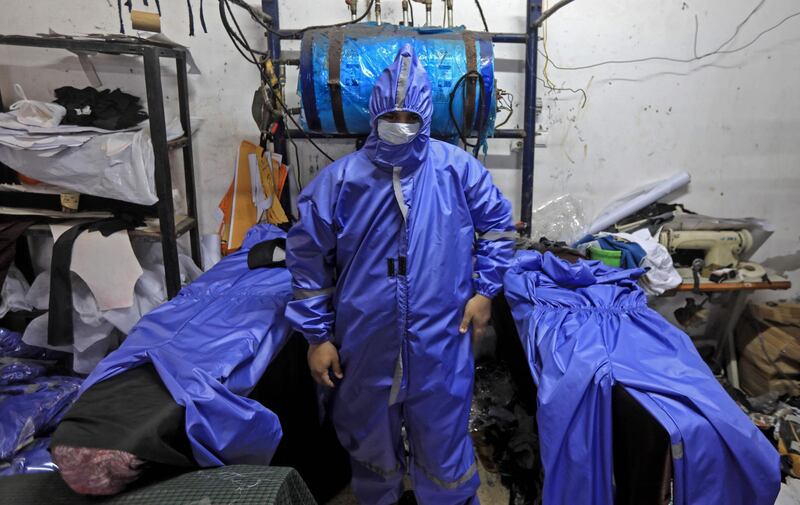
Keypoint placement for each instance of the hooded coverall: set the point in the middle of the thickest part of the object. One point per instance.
(392, 242)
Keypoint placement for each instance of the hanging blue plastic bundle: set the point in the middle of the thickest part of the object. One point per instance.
(339, 67)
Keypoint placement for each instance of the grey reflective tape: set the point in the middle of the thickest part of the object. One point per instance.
(454, 484)
(498, 235)
(402, 82)
(398, 192)
(677, 450)
(396, 379)
(376, 469)
(302, 294)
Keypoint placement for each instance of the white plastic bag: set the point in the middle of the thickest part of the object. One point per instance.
(36, 113)
(13, 292)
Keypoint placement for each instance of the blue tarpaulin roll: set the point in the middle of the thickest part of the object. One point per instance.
(335, 98)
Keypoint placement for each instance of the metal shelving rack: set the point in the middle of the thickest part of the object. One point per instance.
(530, 38)
(151, 53)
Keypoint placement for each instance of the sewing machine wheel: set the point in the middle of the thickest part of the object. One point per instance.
(750, 271)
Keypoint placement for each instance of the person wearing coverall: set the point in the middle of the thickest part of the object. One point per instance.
(399, 248)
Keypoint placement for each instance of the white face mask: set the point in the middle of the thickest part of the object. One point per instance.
(397, 133)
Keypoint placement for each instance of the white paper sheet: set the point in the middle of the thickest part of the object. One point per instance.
(106, 264)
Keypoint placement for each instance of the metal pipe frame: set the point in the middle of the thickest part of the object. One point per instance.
(530, 38)
(151, 53)
(163, 179)
(270, 7)
(529, 119)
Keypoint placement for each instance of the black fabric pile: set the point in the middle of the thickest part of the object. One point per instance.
(110, 110)
(503, 416)
(134, 412)
(130, 412)
(504, 433)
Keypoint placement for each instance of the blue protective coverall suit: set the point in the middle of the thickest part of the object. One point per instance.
(210, 345)
(586, 327)
(383, 260)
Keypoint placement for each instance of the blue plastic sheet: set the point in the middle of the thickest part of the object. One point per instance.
(586, 327)
(33, 458)
(22, 371)
(210, 345)
(32, 409)
(367, 49)
(12, 346)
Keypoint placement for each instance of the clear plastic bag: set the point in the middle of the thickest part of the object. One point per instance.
(559, 220)
(34, 112)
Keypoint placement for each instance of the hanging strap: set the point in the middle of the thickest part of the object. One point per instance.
(191, 18)
(335, 44)
(59, 324)
(469, 84)
(203, 18)
(121, 22)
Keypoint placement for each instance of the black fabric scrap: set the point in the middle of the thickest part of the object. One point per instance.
(110, 110)
(132, 412)
(191, 18)
(121, 22)
(202, 18)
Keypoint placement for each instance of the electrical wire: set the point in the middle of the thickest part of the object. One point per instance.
(411, 10)
(580, 91)
(257, 15)
(296, 124)
(316, 27)
(462, 135)
(239, 43)
(297, 161)
(686, 60)
(735, 33)
(547, 82)
(506, 102)
(240, 38)
(483, 18)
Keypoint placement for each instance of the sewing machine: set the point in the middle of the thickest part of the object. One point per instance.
(717, 248)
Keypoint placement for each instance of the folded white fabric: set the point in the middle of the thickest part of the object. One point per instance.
(661, 275)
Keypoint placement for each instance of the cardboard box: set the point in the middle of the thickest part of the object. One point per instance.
(768, 344)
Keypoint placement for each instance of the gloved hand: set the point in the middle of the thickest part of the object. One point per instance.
(478, 311)
(321, 358)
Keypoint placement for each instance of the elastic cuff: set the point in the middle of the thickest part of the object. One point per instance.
(316, 340)
(485, 290)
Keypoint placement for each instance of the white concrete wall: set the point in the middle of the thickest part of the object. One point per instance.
(730, 120)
